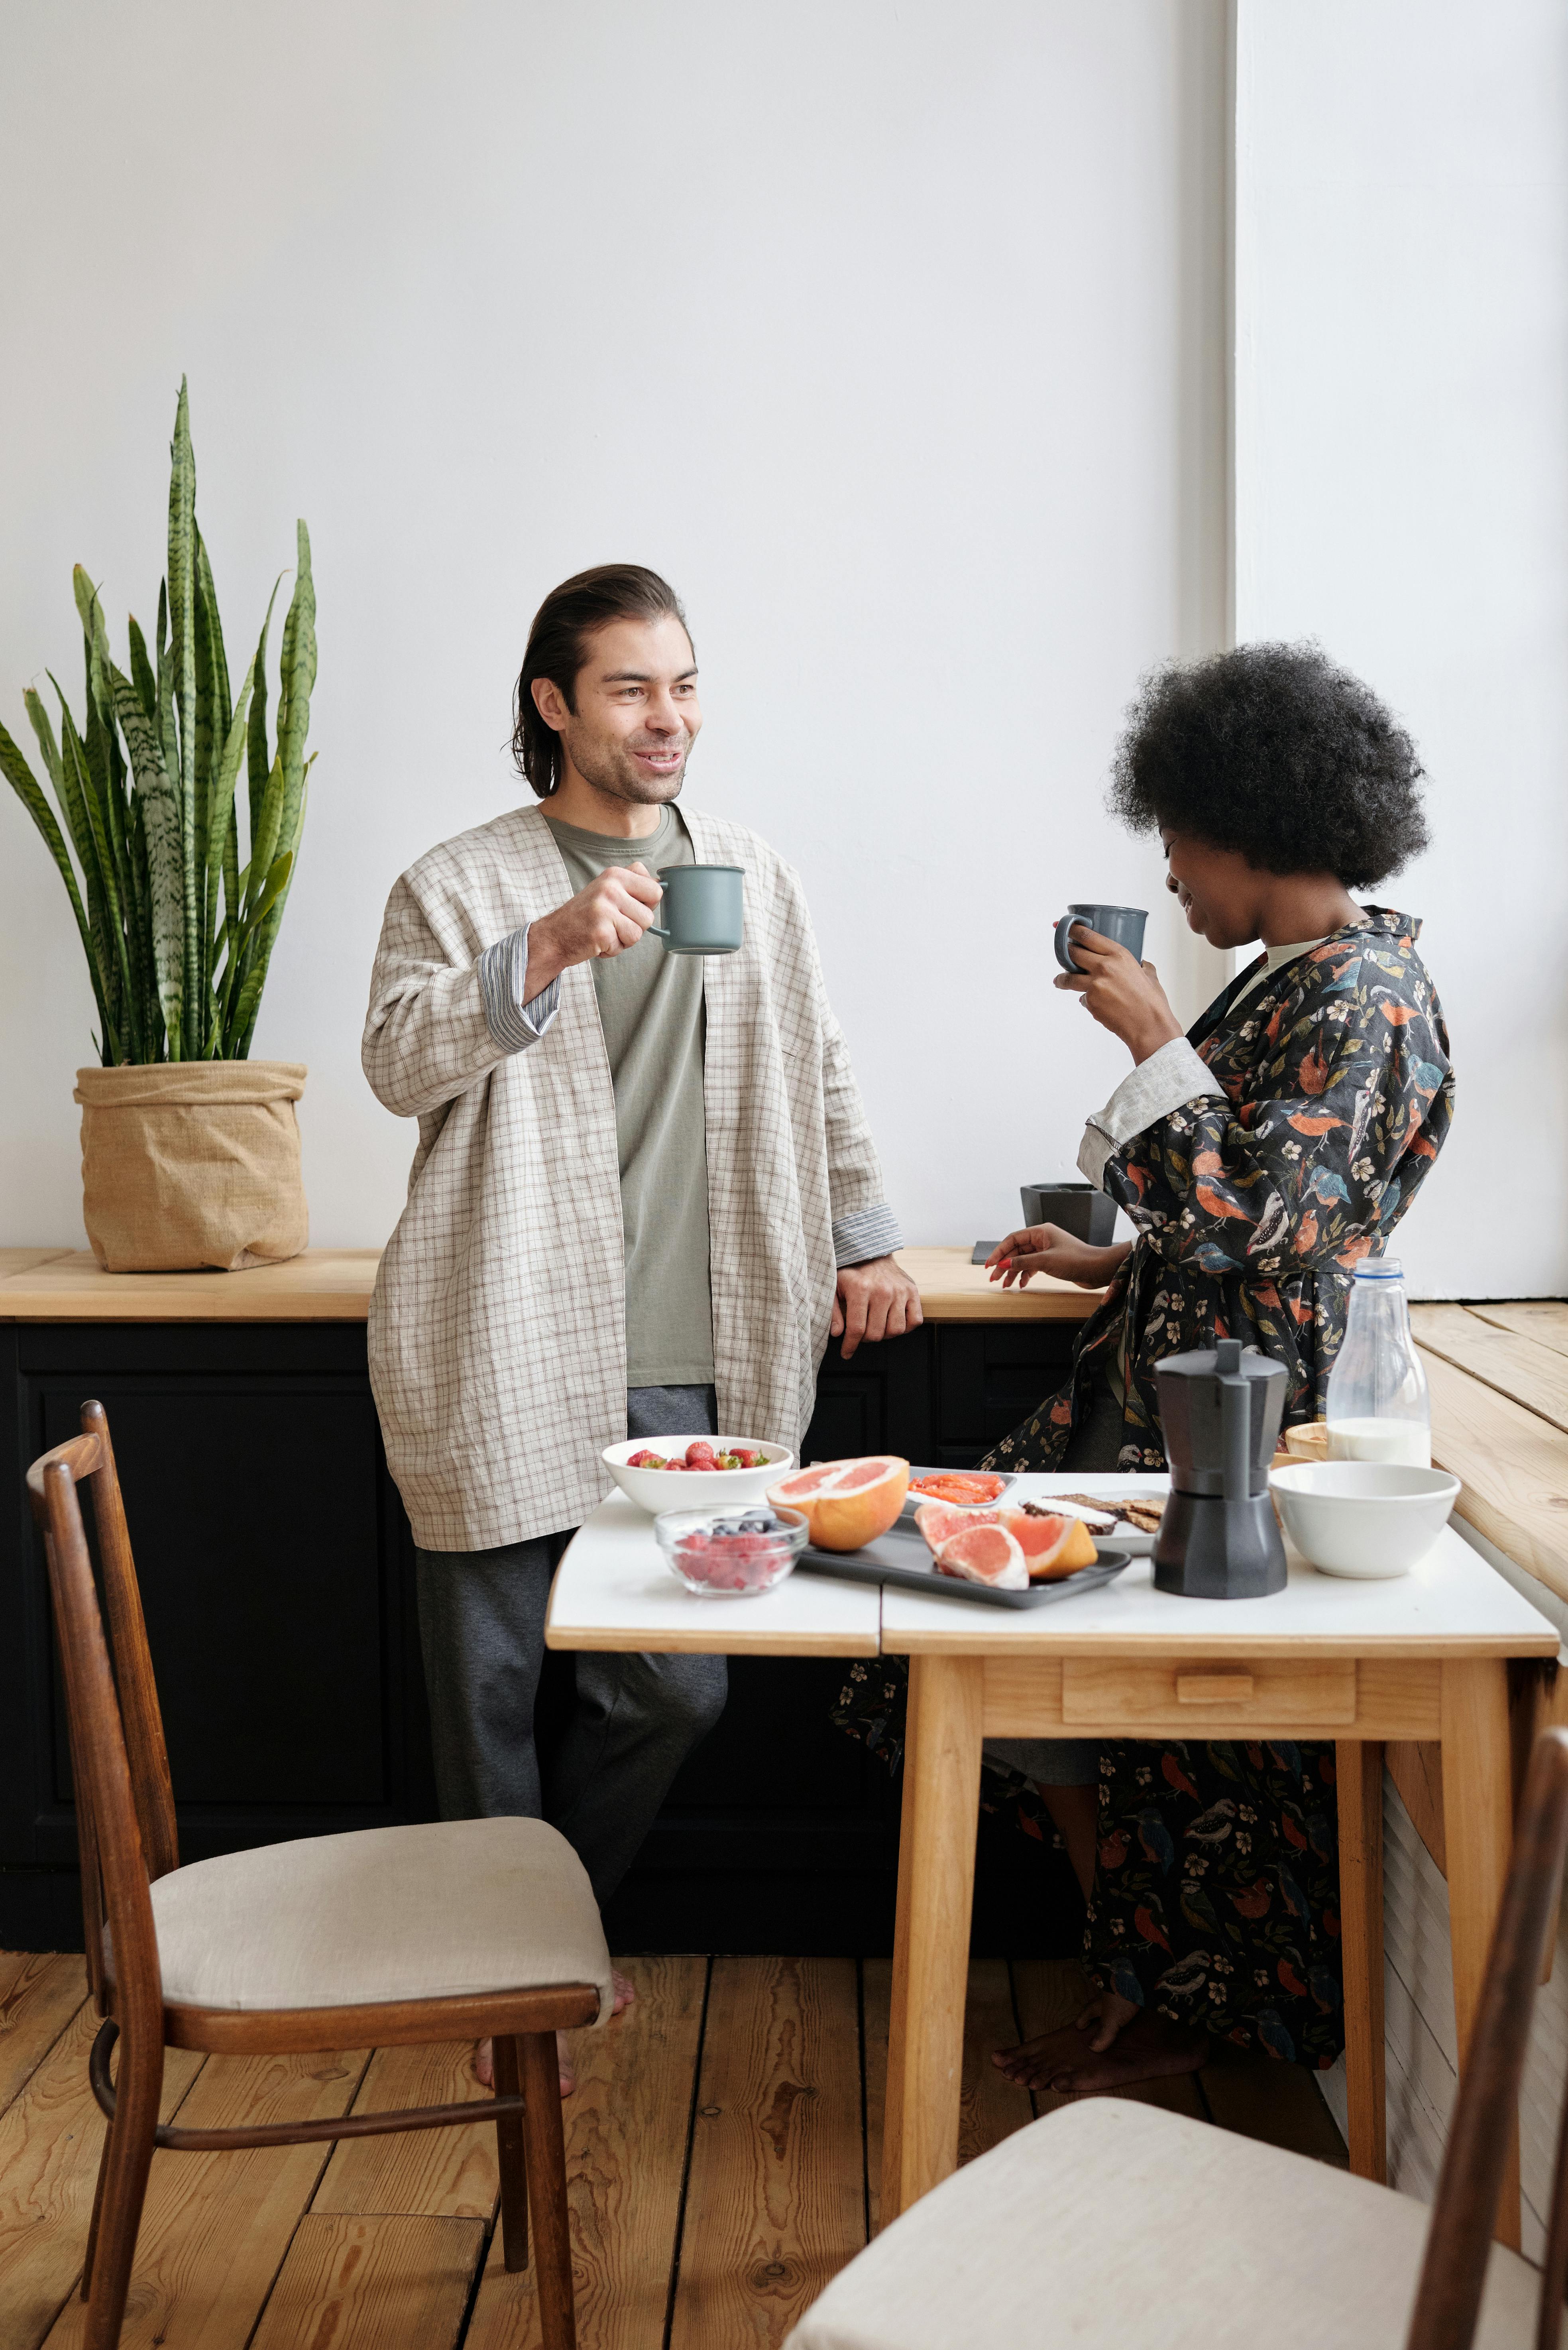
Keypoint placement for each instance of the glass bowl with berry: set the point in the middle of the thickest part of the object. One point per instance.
(730, 1554)
(688, 1472)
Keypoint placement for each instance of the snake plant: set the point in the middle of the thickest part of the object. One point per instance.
(178, 933)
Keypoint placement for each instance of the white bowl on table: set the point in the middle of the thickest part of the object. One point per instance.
(657, 1490)
(1372, 1519)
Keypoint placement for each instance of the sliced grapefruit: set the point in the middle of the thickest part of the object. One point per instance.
(985, 1553)
(939, 1521)
(1052, 1546)
(847, 1503)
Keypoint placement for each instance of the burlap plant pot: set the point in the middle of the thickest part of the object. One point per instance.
(189, 1163)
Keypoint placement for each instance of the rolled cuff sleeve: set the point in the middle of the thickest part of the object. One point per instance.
(503, 971)
(1175, 1075)
(868, 1232)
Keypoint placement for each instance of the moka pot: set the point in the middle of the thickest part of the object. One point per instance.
(1220, 1410)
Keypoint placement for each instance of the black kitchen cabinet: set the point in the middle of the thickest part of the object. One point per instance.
(276, 1569)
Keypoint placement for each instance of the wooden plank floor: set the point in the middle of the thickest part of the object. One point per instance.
(723, 2148)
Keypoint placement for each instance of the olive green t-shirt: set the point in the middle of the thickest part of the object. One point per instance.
(650, 1008)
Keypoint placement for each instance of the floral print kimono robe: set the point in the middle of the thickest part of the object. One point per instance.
(1216, 1895)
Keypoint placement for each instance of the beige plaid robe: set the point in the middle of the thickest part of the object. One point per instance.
(498, 1323)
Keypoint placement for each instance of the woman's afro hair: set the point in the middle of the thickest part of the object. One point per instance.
(1271, 750)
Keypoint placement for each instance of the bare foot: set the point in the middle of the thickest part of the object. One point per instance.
(485, 2057)
(1112, 2045)
(484, 2063)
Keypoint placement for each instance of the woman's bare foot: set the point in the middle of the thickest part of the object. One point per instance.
(484, 2063)
(485, 2053)
(1112, 2045)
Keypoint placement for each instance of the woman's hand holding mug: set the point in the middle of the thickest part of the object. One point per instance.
(1122, 993)
(1046, 1248)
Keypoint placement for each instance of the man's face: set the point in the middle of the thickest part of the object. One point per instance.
(637, 715)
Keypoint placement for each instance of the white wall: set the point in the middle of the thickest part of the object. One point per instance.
(1402, 493)
(893, 334)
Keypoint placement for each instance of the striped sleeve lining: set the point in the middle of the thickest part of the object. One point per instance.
(870, 1232)
(503, 972)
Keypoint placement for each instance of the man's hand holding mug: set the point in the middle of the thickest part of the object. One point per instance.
(604, 919)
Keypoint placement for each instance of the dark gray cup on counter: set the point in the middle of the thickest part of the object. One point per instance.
(1075, 1208)
(703, 909)
(1123, 923)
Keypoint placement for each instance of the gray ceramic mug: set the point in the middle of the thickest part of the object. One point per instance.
(703, 909)
(1123, 923)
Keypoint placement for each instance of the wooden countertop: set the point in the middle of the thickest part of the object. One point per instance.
(1497, 1376)
(334, 1285)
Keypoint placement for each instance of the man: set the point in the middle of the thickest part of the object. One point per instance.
(643, 1194)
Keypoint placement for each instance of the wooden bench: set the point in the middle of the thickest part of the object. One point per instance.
(1499, 1381)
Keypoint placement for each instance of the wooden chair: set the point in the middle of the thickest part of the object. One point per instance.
(1110, 2223)
(387, 1938)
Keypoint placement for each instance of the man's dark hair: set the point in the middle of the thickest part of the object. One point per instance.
(1272, 751)
(558, 648)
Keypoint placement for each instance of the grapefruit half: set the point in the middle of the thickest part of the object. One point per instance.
(1052, 1546)
(846, 1503)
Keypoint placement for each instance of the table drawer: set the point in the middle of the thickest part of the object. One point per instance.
(1272, 1692)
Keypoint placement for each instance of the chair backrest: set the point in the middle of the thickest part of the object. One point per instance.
(1458, 2241)
(119, 1762)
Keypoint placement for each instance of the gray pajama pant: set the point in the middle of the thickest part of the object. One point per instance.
(482, 1631)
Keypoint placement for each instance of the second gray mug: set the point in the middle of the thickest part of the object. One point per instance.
(703, 909)
(1123, 923)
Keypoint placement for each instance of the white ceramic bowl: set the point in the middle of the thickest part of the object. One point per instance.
(1367, 1518)
(656, 1490)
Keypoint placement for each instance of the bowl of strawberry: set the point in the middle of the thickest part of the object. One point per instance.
(688, 1472)
(730, 1554)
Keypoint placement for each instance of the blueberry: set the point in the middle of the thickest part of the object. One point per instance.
(755, 1525)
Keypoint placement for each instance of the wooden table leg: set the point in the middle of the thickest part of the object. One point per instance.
(1358, 1768)
(930, 1944)
(1478, 1831)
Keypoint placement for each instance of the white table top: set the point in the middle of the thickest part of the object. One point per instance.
(613, 1590)
(1452, 1603)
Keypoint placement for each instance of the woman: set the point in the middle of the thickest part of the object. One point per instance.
(1259, 1158)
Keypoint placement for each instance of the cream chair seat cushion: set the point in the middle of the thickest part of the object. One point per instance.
(1111, 2224)
(425, 1912)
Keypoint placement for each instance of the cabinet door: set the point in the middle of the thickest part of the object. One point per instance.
(878, 1401)
(992, 1377)
(275, 1577)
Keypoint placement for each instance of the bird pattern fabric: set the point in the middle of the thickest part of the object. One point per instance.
(1252, 1212)
(1216, 1897)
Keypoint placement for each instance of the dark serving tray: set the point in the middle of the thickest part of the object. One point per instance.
(901, 1556)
